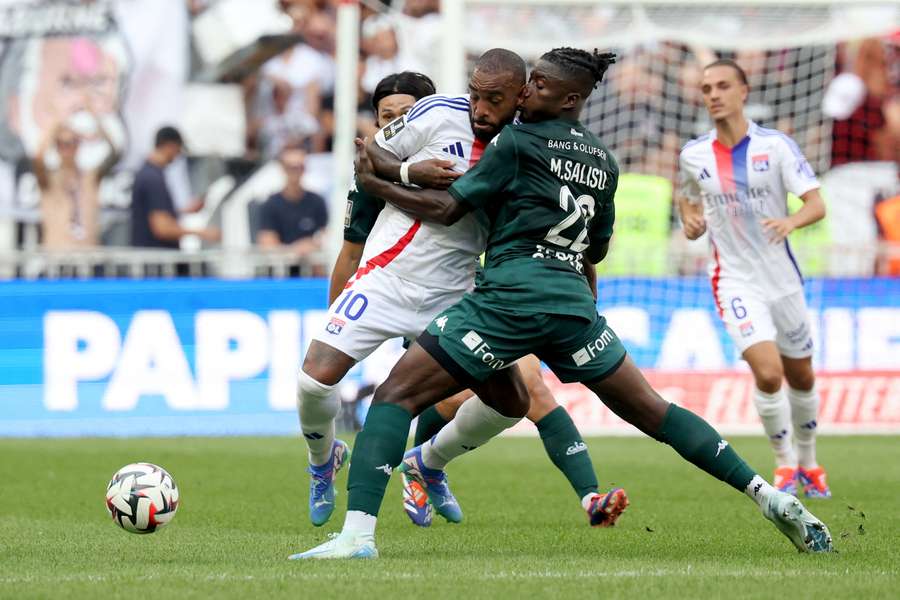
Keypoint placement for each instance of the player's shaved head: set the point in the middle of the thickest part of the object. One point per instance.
(499, 61)
(495, 87)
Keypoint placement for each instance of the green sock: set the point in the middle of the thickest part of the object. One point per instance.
(430, 422)
(378, 449)
(697, 442)
(568, 451)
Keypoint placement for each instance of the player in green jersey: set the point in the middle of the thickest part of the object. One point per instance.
(548, 185)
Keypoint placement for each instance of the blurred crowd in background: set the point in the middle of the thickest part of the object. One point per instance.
(99, 149)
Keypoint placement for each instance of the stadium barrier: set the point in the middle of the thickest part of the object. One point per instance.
(208, 357)
(140, 263)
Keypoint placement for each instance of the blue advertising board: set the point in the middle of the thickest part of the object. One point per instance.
(209, 357)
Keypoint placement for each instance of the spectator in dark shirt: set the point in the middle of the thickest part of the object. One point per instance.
(154, 220)
(293, 219)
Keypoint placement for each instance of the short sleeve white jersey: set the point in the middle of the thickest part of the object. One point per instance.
(739, 187)
(430, 254)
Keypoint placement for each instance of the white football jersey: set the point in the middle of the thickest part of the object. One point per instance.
(429, 254)
(739, 187)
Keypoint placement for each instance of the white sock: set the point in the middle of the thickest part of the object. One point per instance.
(359, 523)
(804, 412)
(759, 489)
(775, 415)
(586, 501)
(318, 406)
(474, 424)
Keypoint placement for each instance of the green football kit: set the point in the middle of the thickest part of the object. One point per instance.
(362, 212)
(548, 189)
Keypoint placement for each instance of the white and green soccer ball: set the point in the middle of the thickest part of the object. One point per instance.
(142, 498)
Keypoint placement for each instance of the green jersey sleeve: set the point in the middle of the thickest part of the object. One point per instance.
(494, 173)
(362, 211)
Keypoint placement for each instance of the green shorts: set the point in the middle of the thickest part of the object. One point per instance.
(473, 339)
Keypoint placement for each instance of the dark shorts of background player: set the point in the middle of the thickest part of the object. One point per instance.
(472, 340)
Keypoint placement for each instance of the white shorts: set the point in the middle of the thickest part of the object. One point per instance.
(749, 319)
(380, 306)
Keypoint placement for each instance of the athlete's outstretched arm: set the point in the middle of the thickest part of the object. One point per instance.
(434, 173)
(437, 206)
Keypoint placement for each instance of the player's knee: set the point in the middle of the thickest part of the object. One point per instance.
(448, 407)
(541, 400)
(802, 380)
(517, 408)
(390, 392)
(325, 364)
(318, 370)
(768, 377)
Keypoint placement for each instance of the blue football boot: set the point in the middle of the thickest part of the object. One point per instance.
(435, 484)
(321, 484)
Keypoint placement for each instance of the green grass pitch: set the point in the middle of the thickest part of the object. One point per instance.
(244, 510)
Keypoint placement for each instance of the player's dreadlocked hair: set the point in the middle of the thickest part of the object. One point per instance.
(586, 66)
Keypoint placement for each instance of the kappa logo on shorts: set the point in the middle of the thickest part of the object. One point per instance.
(475, 343)
(335, 326)
(592, 350)
(747, 329)
(441, 322)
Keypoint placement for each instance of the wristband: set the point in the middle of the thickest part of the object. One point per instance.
(404, 173)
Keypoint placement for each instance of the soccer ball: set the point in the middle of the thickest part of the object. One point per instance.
(141, 498)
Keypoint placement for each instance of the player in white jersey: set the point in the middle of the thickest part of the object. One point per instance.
(413, 270)
(734, 183)
(318, 404)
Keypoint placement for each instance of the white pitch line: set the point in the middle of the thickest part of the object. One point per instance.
(498, 575)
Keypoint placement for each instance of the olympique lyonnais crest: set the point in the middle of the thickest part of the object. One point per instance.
(335, 326)
(760, 162)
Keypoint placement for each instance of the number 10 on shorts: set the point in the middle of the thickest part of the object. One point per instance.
(353, 305)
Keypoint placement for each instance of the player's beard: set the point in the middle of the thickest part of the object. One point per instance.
(484, 136)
